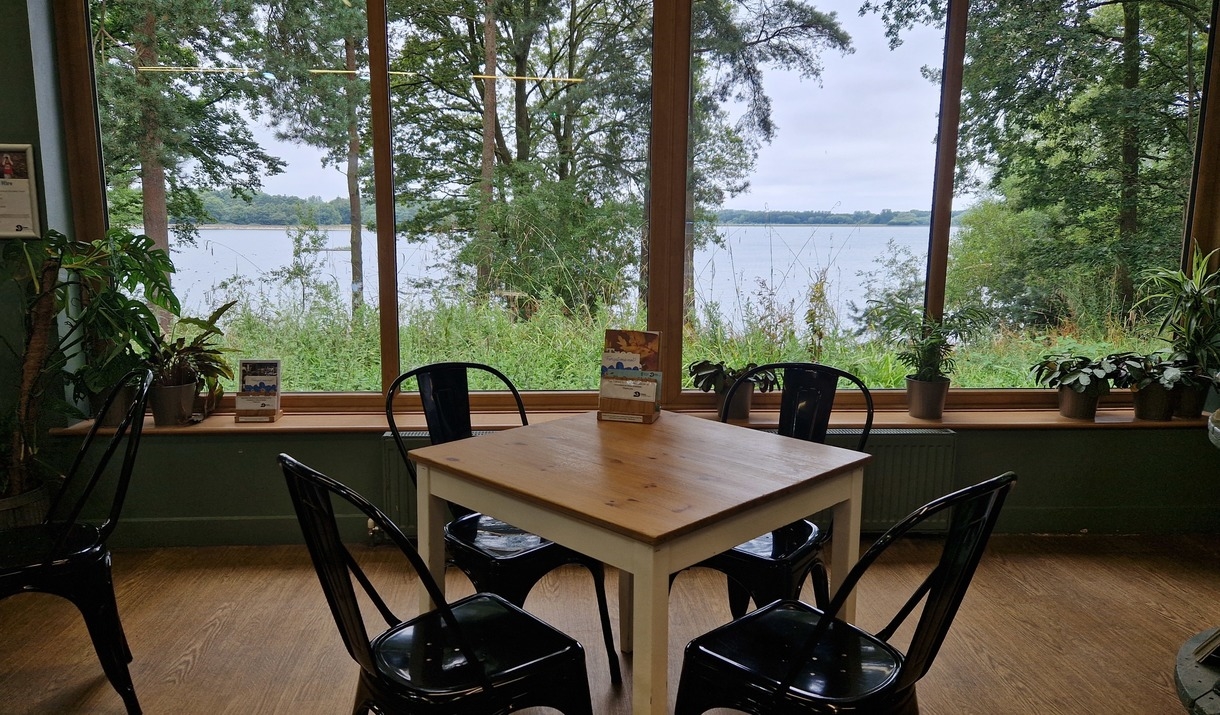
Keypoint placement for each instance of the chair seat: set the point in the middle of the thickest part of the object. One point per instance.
(802, 535)
(848, 665)
(507, 642)
(28, 547)
(492, 536)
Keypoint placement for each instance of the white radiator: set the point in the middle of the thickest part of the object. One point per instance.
(910, 468)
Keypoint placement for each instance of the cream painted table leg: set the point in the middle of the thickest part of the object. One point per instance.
(650, 656)
(845, 544)
(626, 617)
(431, 529)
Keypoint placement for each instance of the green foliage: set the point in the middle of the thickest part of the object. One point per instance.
(718, 377)
(1086, 375)
(198, 358)
(1188, 305)
(925, 343)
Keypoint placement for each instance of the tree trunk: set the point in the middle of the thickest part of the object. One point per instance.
(39, 344)
(152, 170)
(488, 161)
(1128, 209)
(353, 182)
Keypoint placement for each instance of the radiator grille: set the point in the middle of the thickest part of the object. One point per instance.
(910, 468)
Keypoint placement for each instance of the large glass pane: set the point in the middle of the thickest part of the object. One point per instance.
(1078, 132)
(813, 160)
(520, 181)
(234, 134)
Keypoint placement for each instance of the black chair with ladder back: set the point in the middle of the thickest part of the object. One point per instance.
(496, 556)
(66, 554)
(774, 566)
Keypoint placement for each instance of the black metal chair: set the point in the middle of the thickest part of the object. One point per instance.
(66, 554)
(497, 557)
(480, 655)
(789, 657)
(774, 566)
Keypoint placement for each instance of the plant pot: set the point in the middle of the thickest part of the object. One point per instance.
(926, 398)
(118, 408)
(172, 405)
(739, 408)
(206, 403)
(1153, 402)
(1190, 401)
(1077, 405)
(25, 509)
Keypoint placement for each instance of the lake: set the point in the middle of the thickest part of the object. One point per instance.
(753, 263)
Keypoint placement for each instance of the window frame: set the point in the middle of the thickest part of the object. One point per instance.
(666, 210)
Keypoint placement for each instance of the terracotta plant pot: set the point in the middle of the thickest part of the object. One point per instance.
(739, 409)
(1153, 402)
(926, 398)
(1077, 405)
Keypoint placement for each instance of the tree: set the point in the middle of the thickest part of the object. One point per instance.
(315, 52)
(172, 92)
(577, 98)
(1083, 114)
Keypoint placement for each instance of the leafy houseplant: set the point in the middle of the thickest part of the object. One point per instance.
(718, 377)
(1081, 381)
(1156, 382)
(184, 366)
(1188, 303)
(102, 289)
(926, 347)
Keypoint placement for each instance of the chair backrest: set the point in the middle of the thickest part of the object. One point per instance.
(82, 479)
(972, 517)
(807, 396)
(444, 392)
(336, 567)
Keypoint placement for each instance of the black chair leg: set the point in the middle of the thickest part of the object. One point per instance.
(739, 599)
(603, 608)
(821, 585)
(94, 597)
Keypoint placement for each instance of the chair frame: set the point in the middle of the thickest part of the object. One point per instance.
(975, 510)
(799, 544)
(65, 557)
(566, 689)
(512, 575)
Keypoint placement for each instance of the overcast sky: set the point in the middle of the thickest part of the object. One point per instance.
(861, 140)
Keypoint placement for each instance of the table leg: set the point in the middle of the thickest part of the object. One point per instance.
(431, 530)
(626, 612)
(650, 659)
(845, 545)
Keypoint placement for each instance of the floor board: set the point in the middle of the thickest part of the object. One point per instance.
(1052, 624)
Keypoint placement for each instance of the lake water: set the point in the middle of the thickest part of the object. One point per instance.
(754, 263)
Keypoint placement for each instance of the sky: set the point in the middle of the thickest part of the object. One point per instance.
(861, 140)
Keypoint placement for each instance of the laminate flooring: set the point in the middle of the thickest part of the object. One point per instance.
(1077, 624)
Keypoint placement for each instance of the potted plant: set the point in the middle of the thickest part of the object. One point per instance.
(185, 366)
(1188, 303)
(926, 347)
(718, 377)
(1157, 383)
(1081, 381)
(101, 291)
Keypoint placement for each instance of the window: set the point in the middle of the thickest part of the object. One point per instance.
(610, 188)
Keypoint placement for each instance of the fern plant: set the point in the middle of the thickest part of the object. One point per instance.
(927, 343)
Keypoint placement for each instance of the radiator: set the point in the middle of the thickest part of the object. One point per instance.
(910, 468)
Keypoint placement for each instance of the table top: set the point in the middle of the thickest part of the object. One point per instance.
(651, 482)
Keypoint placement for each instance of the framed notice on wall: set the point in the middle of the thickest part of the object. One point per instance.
(18, 192)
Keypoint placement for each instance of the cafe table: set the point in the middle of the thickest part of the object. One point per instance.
(648, 499)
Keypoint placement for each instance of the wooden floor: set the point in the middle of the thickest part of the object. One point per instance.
(1052, 624)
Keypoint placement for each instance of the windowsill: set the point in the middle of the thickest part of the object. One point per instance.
(961, 420)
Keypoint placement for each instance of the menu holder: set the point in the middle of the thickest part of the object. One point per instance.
(258, 398)
(630, 380)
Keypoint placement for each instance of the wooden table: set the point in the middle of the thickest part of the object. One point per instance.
(649, 500)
